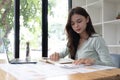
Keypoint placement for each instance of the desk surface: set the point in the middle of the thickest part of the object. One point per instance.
(82, 76)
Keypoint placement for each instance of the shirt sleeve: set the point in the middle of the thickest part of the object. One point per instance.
(64, 52)
(103, 52)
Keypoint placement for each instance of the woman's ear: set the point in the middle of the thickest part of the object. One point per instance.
(87, 19)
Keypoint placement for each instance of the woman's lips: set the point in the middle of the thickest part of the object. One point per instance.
(78, 30)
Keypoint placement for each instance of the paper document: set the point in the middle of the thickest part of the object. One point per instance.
(82, 66)
(43, 70)
(61, 61)
(67, 66)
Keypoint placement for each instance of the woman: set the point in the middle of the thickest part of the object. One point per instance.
(84, 45)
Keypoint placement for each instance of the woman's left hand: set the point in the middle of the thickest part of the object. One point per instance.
(86, 61)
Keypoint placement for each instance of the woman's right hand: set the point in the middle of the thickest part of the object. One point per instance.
(55, 56)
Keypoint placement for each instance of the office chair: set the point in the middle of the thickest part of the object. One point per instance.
(116, 59)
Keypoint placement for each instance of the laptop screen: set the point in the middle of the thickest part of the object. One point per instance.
(12, 60)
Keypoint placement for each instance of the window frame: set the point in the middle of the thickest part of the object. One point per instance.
(44, 27)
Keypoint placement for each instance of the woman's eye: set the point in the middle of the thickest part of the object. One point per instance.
(79, 21)
(72, 23)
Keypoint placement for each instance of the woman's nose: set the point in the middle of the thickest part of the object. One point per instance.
(76, 25)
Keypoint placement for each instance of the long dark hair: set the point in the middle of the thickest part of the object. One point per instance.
(72, 36)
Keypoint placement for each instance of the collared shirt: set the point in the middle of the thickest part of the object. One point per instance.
(94, 48)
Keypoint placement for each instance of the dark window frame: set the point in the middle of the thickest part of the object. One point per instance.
(44, 27)
(16, 27)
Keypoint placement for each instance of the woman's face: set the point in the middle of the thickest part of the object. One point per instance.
(79, 23)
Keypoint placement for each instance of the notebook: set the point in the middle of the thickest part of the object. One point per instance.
(60, 61)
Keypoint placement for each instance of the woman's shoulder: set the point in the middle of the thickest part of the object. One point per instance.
(96, 35)
(97, 38)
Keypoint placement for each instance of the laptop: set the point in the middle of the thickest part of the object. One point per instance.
(13, 60)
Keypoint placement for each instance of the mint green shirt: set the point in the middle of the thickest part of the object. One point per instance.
(94, 48)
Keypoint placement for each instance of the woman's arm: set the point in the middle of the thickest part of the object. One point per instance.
(57, 55)
(103, 52)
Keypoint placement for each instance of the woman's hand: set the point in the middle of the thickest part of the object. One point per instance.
(55, 56)
(86, 61)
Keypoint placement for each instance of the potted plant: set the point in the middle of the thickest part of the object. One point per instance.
(118, 16)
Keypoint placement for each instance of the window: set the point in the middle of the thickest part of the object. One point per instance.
(56, 25)
(31, 25)
(7, 26)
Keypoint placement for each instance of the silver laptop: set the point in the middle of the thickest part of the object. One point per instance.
(12, 60)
